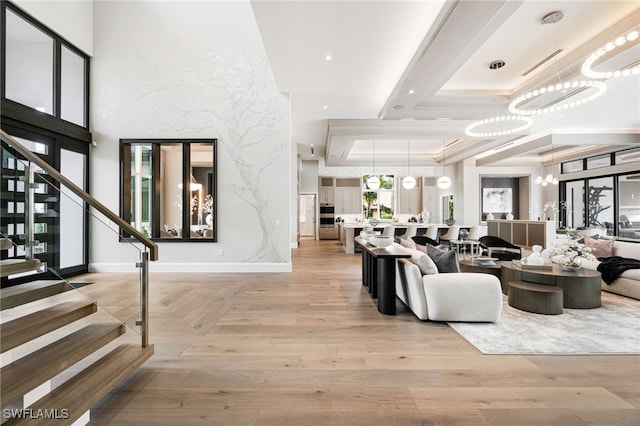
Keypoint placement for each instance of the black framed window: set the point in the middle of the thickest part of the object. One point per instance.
(45, 79)
(44, 95)
(610, 202)
(168, 188)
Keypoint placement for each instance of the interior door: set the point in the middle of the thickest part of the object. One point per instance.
(308, 215)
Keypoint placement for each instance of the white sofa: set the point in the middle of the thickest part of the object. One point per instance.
(628, 284)
(465, 297)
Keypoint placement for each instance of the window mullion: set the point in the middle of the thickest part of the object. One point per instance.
(57, 78)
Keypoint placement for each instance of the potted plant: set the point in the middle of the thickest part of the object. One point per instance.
(450, 221)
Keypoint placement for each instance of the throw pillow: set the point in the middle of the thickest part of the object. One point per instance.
(407, 243)
(600, 248)
(424, 262)
(446, 260)
(421, 248)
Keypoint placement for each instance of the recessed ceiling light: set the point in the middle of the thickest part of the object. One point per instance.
(411, 91)
(325, 107)
(328, 57)
(497, 64)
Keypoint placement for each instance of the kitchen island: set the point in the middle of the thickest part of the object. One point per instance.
(349, 231)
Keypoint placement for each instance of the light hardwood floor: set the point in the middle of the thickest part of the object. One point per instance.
(310, 348)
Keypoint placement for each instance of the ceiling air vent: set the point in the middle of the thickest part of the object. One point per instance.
(542, 62)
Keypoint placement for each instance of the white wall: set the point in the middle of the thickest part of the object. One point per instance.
(309, 180)
(72, 19)
(180, 69)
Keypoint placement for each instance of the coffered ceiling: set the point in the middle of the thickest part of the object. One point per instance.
(412, 75)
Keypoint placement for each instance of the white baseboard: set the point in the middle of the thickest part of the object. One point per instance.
(193, 267)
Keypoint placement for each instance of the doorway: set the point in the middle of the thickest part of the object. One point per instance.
(308, 216)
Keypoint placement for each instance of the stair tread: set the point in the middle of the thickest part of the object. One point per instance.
(88, 387)
(16, 266)
(5, 243)
(25, 374)
(36, 324)
(11, 297)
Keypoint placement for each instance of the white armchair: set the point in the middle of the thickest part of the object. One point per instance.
(467, 297)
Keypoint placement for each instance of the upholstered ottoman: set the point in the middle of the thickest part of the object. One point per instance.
(465, 297)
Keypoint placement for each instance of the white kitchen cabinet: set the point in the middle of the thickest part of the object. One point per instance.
(326, 185)
(430, 201)
(409, 200)
(347, 201)
(327, 195)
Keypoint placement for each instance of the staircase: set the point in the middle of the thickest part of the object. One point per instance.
(48, 326)
(60, 353)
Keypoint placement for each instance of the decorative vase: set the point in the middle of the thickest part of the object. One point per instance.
(449, 222)
(489, 216)
(571, 265)
(509, 216)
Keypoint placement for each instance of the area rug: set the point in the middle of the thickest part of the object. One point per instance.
(614, 328)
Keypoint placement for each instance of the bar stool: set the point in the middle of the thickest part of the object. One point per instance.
(474, 233)
(452, 234)
(411, 231)
(432, 232)
(389, 231)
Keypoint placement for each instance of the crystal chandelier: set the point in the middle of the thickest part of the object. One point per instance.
(587, 65)
(499, 125)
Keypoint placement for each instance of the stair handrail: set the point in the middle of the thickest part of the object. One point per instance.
(124, 225)
(151, 252)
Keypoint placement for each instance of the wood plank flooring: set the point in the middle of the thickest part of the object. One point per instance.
(310, 348)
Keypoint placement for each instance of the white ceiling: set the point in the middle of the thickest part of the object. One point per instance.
(441, 50)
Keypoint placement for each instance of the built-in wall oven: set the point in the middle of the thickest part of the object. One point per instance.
(328, 229)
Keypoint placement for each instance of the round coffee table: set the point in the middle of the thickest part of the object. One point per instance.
(580, 289)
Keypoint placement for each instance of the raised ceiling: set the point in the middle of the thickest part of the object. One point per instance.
(419, 71)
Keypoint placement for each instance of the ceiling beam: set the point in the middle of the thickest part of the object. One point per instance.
(515, 150)
(445, 49)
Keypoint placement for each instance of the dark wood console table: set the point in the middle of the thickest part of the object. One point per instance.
(379, 273)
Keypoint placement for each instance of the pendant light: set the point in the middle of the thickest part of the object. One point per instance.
(549, 178)
(444, 181)
(408, 182)
(373, 182)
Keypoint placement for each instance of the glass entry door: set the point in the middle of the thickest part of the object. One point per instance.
(59, 217)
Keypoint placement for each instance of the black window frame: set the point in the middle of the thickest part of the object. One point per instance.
(28, 122)
(615, 202)
(125, 187)
(51, 122)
